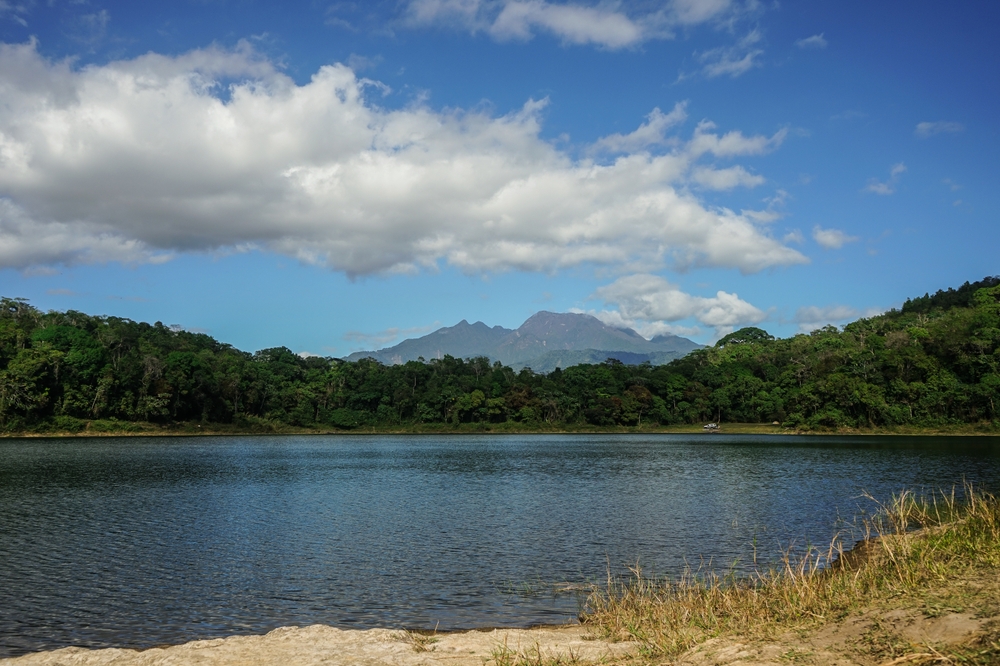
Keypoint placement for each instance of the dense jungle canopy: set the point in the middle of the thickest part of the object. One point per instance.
(934, 362)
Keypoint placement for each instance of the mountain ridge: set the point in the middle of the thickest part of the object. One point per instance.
(545, 341)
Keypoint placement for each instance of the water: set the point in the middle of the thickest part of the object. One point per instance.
(135, 542)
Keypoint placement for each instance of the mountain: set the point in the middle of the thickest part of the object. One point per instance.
(463, 340)
(549, 331)
(545, 341)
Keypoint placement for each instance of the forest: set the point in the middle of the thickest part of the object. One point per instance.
(934, 362)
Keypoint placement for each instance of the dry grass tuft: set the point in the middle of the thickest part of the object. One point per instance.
(422, 641)
(503, 655)
(908, 545)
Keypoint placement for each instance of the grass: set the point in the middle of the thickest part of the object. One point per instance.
(422, 641)
(503, 655)
(911, 553)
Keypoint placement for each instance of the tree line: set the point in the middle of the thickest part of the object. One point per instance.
(935, 361)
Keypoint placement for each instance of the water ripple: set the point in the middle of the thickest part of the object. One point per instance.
(141, 542)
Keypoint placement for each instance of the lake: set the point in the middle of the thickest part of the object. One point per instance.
(135, 542)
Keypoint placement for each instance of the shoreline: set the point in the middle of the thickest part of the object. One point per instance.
(141, 429)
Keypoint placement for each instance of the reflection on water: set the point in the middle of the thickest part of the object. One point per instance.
(144, 541)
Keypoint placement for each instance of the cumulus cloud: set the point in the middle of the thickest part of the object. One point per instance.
(927, 129)
(137, 159)
(887, 187)
(608, 25)
(814, 42)
(831, 239)
(647, 329)
(25, 242)
(643, 300)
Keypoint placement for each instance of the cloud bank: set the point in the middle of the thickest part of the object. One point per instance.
(136, 160)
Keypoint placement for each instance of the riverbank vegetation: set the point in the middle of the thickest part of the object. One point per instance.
(919, 560)
(933, 364)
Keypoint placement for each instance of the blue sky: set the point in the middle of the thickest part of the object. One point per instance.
(335, 176)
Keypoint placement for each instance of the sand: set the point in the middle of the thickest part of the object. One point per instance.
(834, 644)
(295, 646)
(959, 612)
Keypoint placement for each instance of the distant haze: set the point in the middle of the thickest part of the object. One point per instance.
(546, 341)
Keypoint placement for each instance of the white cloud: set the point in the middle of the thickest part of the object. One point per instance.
(812, 317)
(694, 12)
(359, 62)
(25, 243)
(574, 24)
(772, 212)
(651, 133)
(726, 179)
(734, 60)
(927, 129)
(607, 25)
(876, 187)
(793, 236)
(731, 144)
(814, 42)
(135, 160)
(14, 12)
(650, 299)
(647, 329)
(832, 239)
(520, 19)
(887, 187)
(465, 13)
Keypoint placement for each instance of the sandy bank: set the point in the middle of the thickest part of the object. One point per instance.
(295, 646)
(841, 643)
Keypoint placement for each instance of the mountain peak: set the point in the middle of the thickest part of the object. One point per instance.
(542, 334)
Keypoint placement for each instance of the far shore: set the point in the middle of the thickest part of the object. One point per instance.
(108, 428)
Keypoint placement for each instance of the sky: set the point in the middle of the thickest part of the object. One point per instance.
(339, 176)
